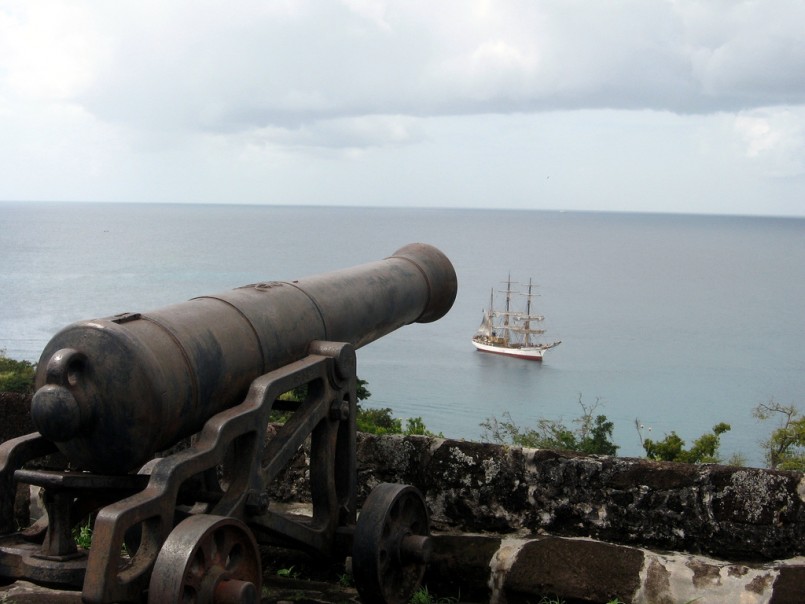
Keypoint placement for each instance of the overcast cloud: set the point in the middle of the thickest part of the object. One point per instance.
(682, 106)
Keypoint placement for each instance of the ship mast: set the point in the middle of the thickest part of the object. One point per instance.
(508, 309)
(527, 314)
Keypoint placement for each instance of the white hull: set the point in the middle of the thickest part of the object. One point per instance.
(530, 354)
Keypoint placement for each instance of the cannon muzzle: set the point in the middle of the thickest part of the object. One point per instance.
(112, 392)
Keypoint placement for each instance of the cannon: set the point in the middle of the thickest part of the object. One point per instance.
(156, 425)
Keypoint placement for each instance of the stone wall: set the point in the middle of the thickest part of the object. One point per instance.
(727, 512)
(512, 524)
(488, 568)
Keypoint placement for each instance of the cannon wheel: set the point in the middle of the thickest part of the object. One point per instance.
(207, 559)
(391, 544)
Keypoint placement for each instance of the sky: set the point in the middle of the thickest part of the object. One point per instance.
(691, 106)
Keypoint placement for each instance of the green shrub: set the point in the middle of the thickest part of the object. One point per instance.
(785, 448)
(16, 376)
(423, 596)
(592, 433)
(372, 421)
(671, 448)
(415, 426)
(378, 421)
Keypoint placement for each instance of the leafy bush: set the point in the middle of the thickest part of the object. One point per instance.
(381, 421)
(378, 421)
(423, 596)
(372, 421)
(785, 448)
(415, 426)
(671, 448)
(16, 376)
(591, 435)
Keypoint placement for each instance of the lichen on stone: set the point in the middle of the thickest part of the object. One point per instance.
(755, 493)
(460, 457)
(491, 469)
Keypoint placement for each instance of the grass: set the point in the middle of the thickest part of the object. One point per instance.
(345, 580)
(82, 534)
(423, 596)
(288, 573)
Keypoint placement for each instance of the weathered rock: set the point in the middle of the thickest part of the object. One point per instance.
(15, 410)
(517, 571)
(513, 524)
(578, 569)
(23, 592)
(460, 565)
(729, 512)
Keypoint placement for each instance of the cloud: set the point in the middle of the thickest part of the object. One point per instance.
(213, 66)
(43, 57)
(153, 94)
(774, 139)
(345, 133)
(750, 55)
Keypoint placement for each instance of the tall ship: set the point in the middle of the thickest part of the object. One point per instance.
(511, 332)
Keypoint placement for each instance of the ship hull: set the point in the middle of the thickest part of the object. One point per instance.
(528, 354)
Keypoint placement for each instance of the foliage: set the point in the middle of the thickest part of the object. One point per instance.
(345, 580)
(82, 534)
(416, 426)
(361, 392)
(378, 421)
(785, 448)
(16, 376)
(592, 433)
(422, 596)
(287, 573)
(373, 421)
(671, 448)
(737, 459)
(381, 421)
(300, 392)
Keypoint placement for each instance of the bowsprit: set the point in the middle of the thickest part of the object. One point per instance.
(184, 526)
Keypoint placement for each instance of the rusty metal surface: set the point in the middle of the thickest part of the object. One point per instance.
(235, 440)
(14, 454)
(114, 391)
(130, 532)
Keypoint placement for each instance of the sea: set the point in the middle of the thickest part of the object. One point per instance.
(668, 322)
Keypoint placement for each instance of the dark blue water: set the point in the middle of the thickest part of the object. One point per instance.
(678, 321)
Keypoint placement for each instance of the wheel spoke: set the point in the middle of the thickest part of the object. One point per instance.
(387, 567)
(201, 556)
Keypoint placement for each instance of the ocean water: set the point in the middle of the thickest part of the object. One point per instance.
(676, 321)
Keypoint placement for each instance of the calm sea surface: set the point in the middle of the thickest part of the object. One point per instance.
(678, 321)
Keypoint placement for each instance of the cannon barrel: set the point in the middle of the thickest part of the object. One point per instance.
(111, 392)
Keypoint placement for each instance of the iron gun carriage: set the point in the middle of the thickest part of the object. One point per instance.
(184, 526)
